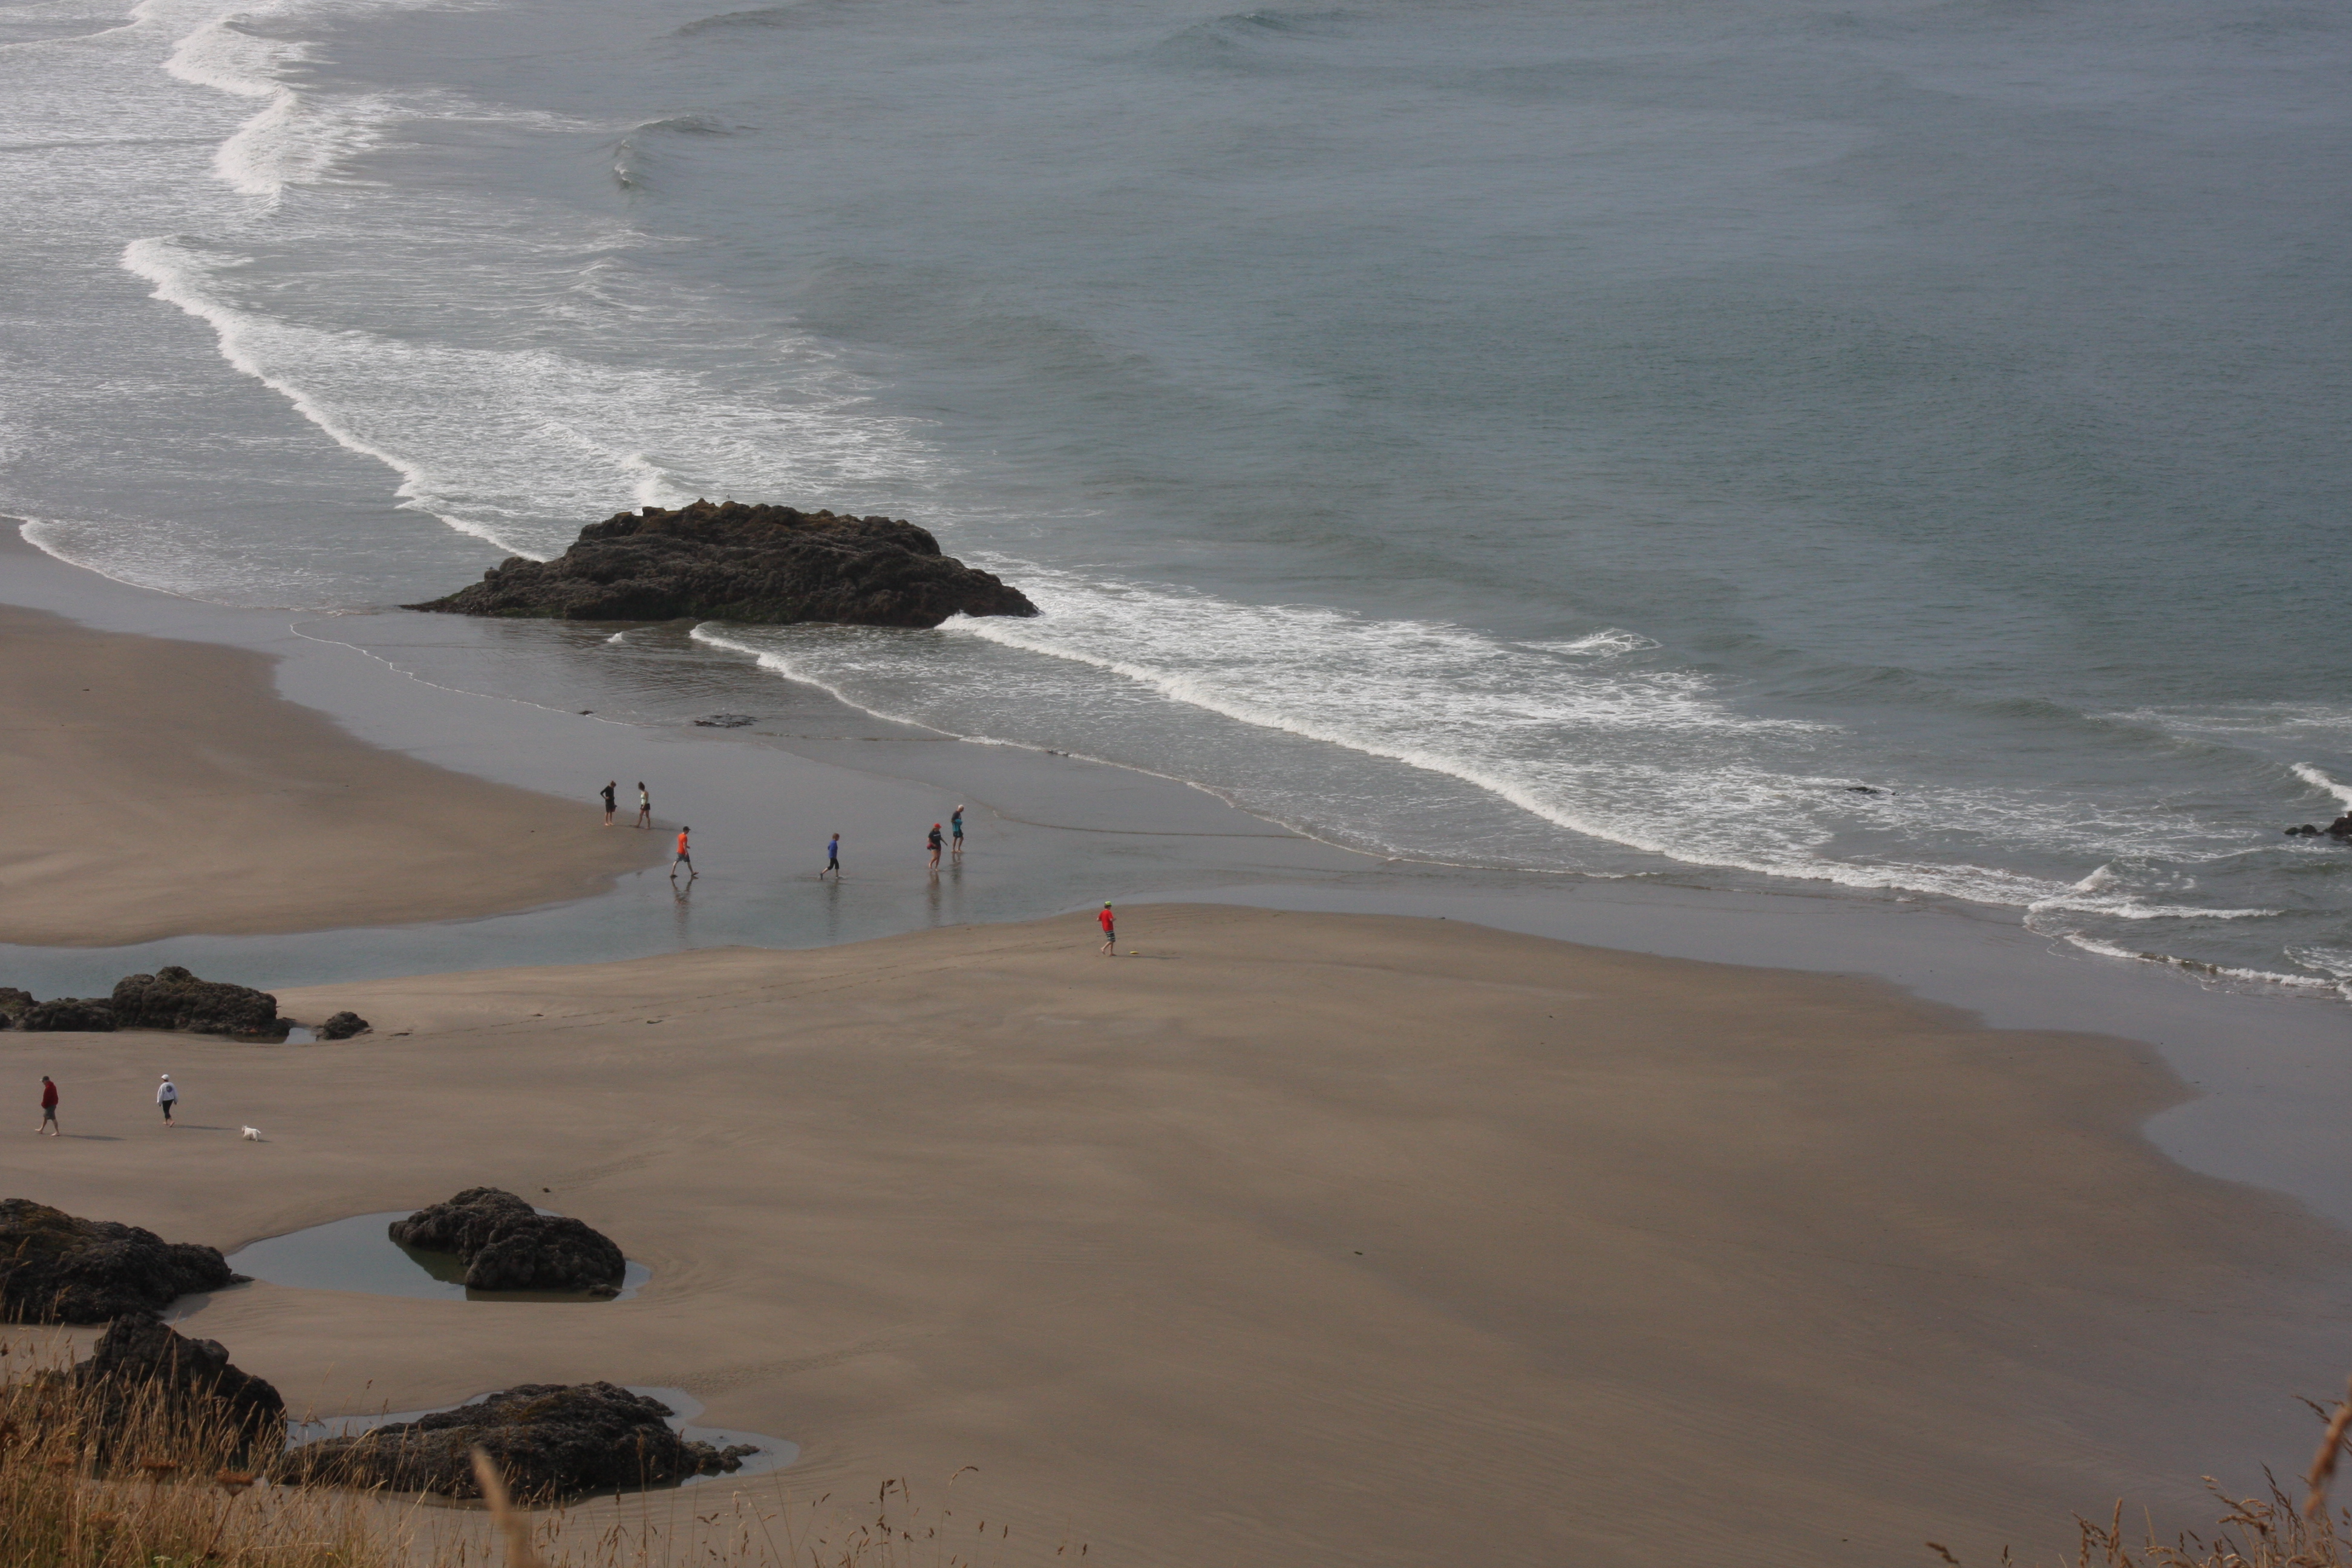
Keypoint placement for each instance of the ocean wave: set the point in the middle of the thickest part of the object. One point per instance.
(2320, 780)
(2105, 949)
(1652, 760)
(1602, 644)
(2105, 893)
(1251, 39)
(519, 447)
(634, 153)
(761, 16)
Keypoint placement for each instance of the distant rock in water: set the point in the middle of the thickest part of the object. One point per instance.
(57, 1268)
(725, 560)
(140, 1362)
(549, 1441)
(510, 1246)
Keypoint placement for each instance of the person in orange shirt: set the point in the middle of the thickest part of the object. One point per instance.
(684, 858)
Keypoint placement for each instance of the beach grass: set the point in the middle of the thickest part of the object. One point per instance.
(156, 1485)
(151, 1484)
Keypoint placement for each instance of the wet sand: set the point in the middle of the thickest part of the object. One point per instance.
(1290, 1238)
(160, 788)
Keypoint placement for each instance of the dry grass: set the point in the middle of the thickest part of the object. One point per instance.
(163, 1490)
(2268, 1531)
(168, 1489)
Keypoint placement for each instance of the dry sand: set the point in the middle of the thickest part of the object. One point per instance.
(157, 788)
(1292, 1239)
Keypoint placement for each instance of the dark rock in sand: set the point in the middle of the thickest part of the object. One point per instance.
(343, 1026)
(172, 998)
(769, 564)
(509, 1245)
(54, 1268)
(13, 1005)
(139, 1360)
(93, 1015)
(548, 1440)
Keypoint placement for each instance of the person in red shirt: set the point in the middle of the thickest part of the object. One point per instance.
(684, 859)
(49, 1109)
(1110, 932)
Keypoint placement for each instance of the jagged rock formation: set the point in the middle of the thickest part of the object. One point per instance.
(173, 999)
(548, 1440)
(343, 1026)
(54, 1268)
(509, 1245)
(140, 1365)
(91, 1015)
(768, 565)
(170, 998)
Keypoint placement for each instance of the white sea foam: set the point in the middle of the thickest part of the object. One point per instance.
(1613, 640)
(1655, 761)
(2318, 780)
(2105, 949)
(516, 446)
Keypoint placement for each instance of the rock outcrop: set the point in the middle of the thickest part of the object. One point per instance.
(343, 1026)
(507, 1244)
(54, 1268)
(173, 999)
(768, 565)
(141, 1364)
(89, 1014)
(549, 1441)
(170, 998)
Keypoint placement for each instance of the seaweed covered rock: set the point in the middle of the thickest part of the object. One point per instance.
(13, 1005)
(343, 1026)
(55, 1268)
(173, 999)
(548, 1440)
(509, 1245)
(769, 564)
(141, 1364)
(65, 1015)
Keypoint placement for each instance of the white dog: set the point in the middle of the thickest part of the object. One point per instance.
(253, 1134)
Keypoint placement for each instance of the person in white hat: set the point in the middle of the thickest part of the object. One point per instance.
(167, 1094)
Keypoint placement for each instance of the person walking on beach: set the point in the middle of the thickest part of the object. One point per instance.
(645, 807)
(955, 830)
(610, 785)
(685, 858)
(1110, 932)
(48, 1109)
(937, 843)
(832, 860)
(167, 1094)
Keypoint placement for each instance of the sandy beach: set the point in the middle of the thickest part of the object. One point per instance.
(158, 787)
(1285, 1237)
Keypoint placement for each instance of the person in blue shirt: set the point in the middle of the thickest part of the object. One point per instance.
(955, 830)
(832, 860)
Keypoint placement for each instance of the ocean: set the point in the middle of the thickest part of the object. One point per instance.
(1889, 449)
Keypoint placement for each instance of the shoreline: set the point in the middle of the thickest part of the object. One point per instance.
(160, 788)
(1293, 1235)
(1299, 1232)
(1053, 833)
